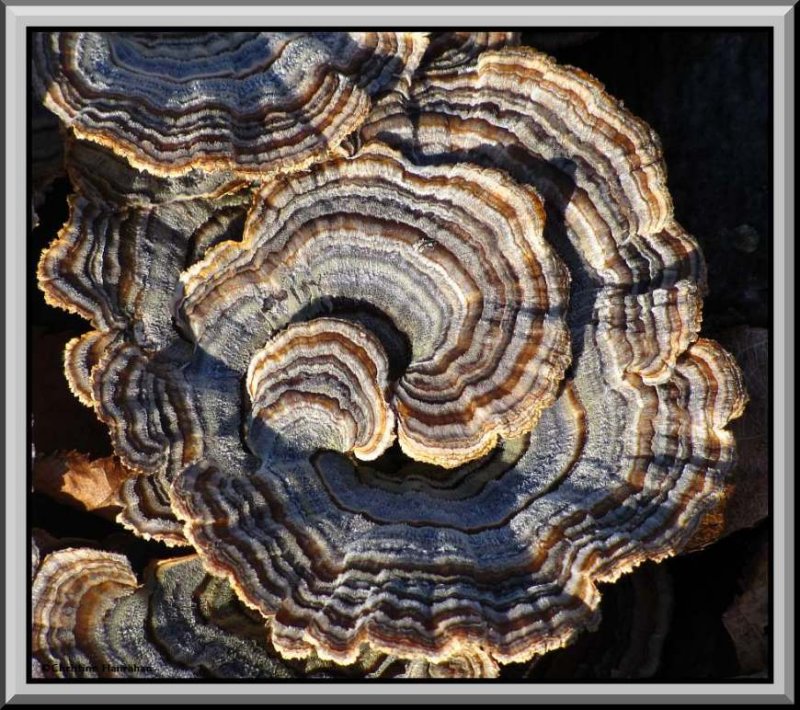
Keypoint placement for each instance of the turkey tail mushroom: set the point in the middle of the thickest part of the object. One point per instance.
(454, 257)
(600, 172)
(254, 103)
(489, 273)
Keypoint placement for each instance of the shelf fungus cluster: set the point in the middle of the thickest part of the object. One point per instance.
(395, 333)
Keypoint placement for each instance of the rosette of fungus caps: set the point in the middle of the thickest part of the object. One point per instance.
(448, 381)
(480, 549)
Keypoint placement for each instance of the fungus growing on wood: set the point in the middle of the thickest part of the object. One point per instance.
(73, 589)
(118, 266)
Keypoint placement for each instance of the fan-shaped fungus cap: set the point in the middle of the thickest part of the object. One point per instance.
(321, 384)
(103, 177)
(118, 267)
(118, 264)
(92, 619)
(600, 172)
(250, 102)
(73, 590)
(507, 567)
(453, 257)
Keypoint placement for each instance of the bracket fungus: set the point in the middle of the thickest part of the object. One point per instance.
(636, 273)
(117, 264)
(92, 618)
(454, 258)
(320, 385)
(250, 102)
(406, 347)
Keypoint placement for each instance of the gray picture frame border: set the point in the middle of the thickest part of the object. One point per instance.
(18, 15)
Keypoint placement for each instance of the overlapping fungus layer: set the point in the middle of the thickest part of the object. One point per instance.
(406, 347)
(321, 384)
(603, 180)
(453, 258)
(92, 619)
(250, 102)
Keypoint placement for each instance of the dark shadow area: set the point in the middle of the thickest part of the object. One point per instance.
(65, 523)
(690, 594)
(707, 94)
